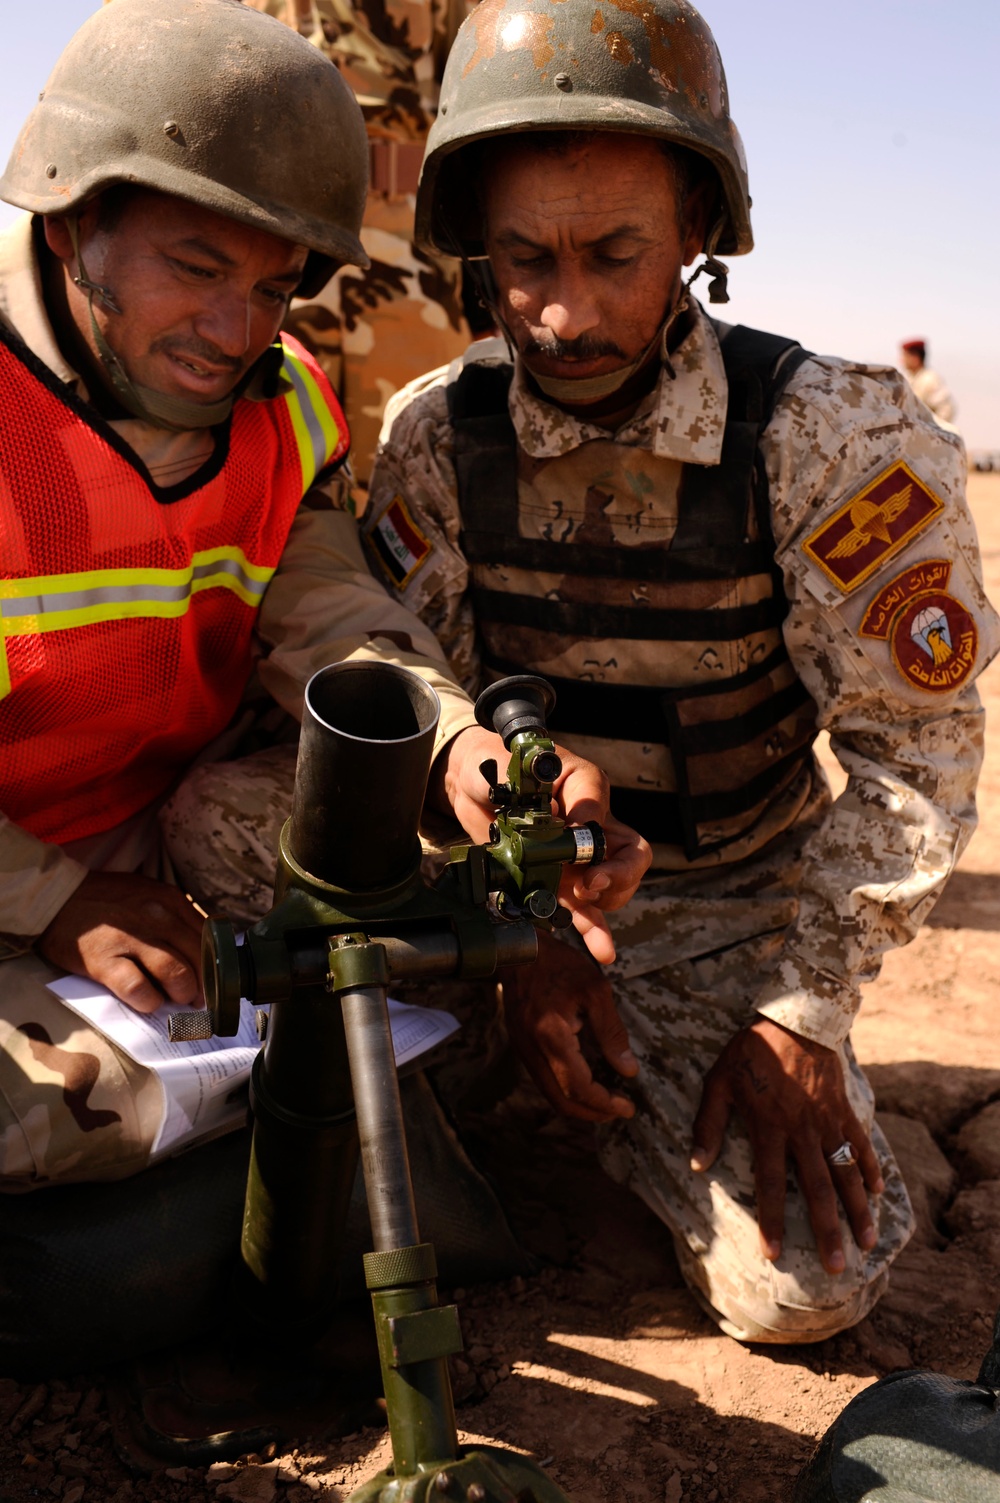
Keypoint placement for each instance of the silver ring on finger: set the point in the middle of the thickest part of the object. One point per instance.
(842, 1157)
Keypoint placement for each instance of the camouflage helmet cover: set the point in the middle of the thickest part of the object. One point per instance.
(213, 102)
(649, 67)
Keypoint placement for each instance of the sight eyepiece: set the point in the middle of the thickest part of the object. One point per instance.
(522, 702)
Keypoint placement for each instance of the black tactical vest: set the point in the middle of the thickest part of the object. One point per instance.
(735, 741)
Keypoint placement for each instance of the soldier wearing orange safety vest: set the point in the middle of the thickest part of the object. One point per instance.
(178, 557)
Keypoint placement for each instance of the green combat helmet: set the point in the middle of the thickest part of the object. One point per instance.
(212, 102)
(646, 67)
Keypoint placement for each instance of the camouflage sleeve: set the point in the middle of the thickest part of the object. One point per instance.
(323, 606)
(412, 524)
(36, 879)
(888, 626)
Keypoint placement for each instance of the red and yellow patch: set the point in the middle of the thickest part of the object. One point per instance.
(873, 527)
(932, 637)
(932, 574)
(398, 543)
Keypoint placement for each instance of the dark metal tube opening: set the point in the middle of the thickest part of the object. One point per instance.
(372, 702)
(364, 757)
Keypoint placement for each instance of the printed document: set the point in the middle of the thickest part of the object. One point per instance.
(204, 1081)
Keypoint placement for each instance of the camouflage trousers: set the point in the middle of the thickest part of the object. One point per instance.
(73, 1105)
(690, 955)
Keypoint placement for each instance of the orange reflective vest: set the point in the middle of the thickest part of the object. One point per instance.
(127, 613)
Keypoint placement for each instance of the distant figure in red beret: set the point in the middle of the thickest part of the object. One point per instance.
(925, 383)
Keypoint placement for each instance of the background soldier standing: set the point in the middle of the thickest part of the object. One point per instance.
(373, 331)
(926, 383)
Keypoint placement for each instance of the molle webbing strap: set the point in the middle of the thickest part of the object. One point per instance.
(717, 498)
(644, 714)
(631, 623)
(486, 471)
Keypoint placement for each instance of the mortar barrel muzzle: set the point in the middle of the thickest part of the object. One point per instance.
(365, 752)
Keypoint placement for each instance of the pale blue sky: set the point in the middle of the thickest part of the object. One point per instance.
(872, 130)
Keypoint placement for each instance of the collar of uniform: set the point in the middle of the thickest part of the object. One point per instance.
(683, 417)
(22, 305)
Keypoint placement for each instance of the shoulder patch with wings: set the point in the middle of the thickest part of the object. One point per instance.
(872, 527)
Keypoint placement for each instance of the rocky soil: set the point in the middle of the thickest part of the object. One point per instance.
(601, 1366)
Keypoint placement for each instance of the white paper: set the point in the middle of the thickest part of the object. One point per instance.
(201, 1080)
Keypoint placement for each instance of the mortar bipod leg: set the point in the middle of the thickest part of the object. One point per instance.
(415, 1334)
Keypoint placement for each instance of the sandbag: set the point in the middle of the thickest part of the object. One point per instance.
(914, 1437)
(96, 1273)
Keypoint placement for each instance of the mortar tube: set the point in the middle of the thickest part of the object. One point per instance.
(364, 758)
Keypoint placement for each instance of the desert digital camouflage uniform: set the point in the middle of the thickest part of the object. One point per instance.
(375, 330)
(794, 916)
(73, 1106)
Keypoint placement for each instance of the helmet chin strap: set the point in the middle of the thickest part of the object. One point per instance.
(173, 413)
(718, 287)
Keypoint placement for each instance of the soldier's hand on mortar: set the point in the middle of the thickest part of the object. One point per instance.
(581, 793)
(790, 1093)
(141, 939)
(546, 1007)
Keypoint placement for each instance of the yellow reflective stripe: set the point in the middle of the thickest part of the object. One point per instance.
(57, 602)
(102, 579)
(314, 426)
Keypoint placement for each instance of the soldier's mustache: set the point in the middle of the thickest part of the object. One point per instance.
(584, 347)
(198, 349)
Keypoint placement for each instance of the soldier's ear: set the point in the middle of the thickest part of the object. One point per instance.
(59, 236)
(698, 216)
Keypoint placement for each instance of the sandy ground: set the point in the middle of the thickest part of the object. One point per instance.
(604, 1369)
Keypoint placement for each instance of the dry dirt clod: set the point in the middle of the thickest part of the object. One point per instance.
(979, 1144)
(252, 1485)
(221, 1471)
(33, 1404)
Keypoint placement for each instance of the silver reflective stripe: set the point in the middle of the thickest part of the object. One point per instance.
(313, 426)
(234, 567)
(79, 600)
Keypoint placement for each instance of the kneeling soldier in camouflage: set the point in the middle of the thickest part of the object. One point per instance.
(714, 544)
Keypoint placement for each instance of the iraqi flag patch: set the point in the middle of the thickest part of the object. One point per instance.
(399, 545)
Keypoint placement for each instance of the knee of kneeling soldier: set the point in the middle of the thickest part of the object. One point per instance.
(780, 1306)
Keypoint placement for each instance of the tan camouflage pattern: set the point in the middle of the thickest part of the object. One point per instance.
(686, 946)
(885, 849)
(373, 331)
